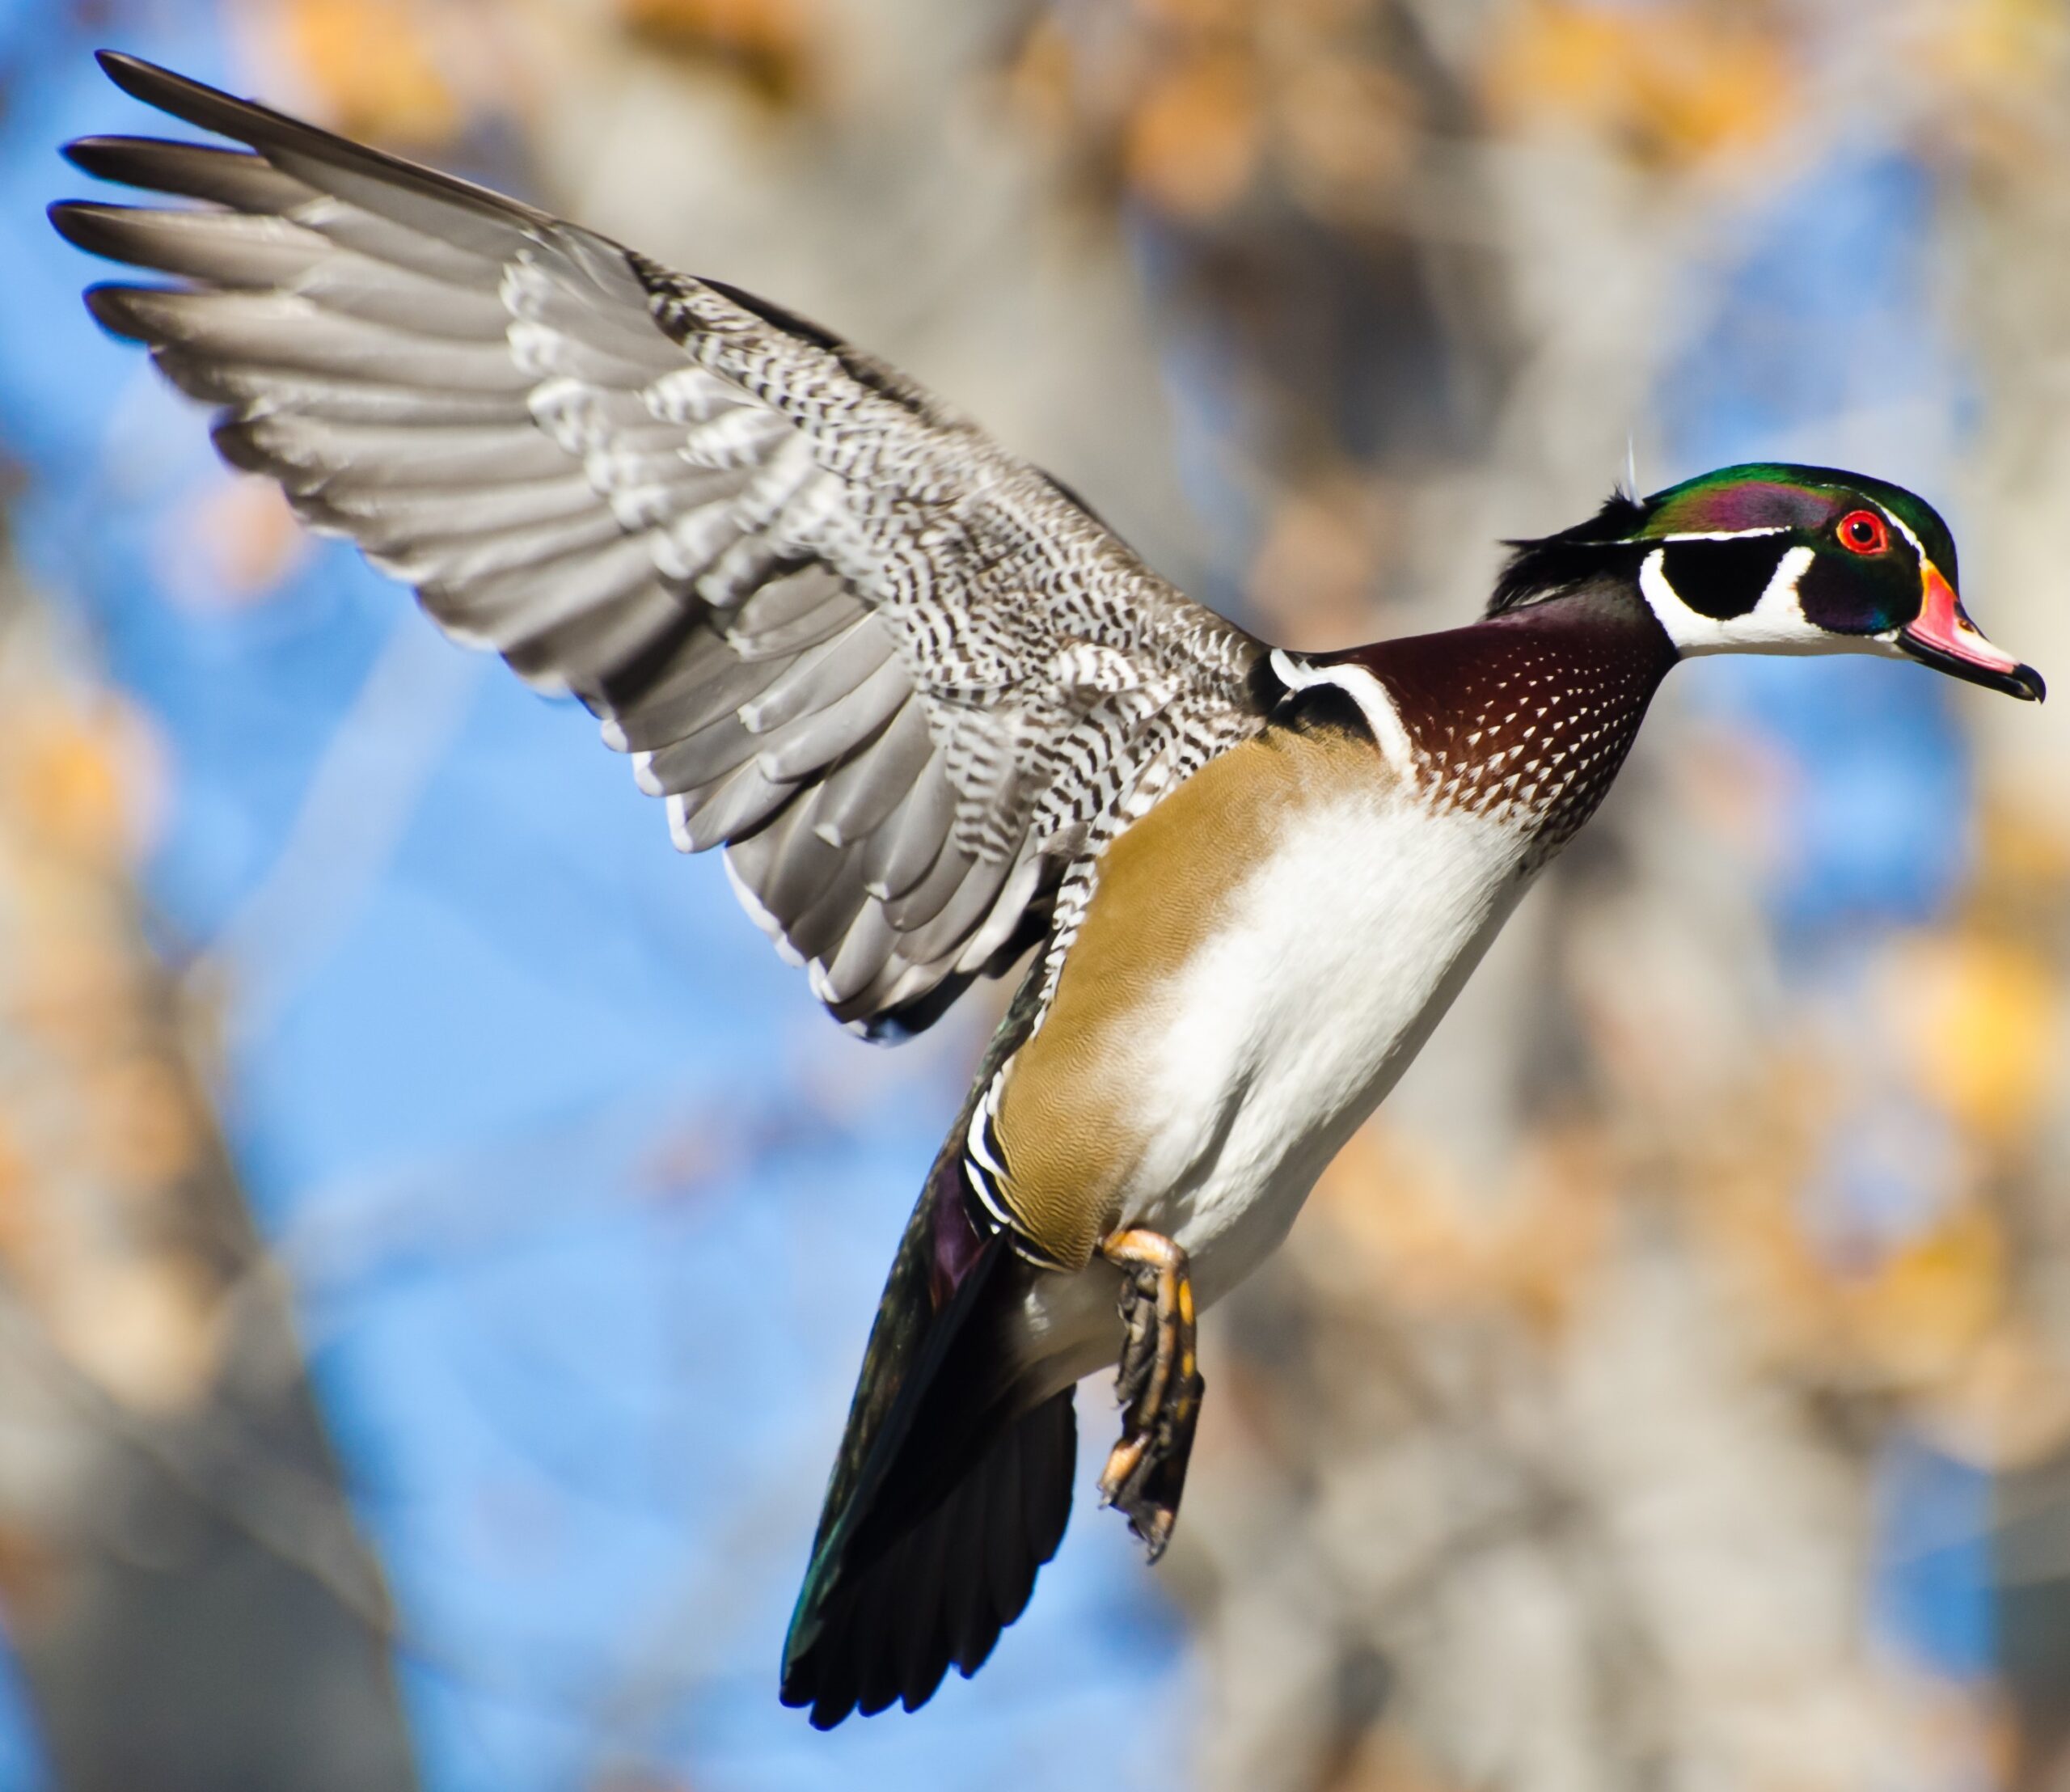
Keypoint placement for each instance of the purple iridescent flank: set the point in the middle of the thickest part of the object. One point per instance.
(956, 1240)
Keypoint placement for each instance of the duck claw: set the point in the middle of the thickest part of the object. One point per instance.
(1157, 1382)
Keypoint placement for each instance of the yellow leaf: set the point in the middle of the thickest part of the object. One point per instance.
(1191, 146)
(370, 64)
(767, 40)
(1981, 1018)
(1921, 1314)
(62, 784)
(1673, 83)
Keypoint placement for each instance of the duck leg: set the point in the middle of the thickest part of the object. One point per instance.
(1159, 1383)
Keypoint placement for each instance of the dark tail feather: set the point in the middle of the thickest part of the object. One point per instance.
(888, 1627)
(946, 1495)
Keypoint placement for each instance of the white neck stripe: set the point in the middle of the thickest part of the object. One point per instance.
(1366, 690)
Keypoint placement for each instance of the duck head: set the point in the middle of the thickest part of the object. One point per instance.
(1774, 559)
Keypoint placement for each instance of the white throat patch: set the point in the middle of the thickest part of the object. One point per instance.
(1776, 624)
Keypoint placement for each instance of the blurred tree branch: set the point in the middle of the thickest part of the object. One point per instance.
(191, 1603)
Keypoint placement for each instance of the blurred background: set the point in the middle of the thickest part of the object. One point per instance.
(436, 1236)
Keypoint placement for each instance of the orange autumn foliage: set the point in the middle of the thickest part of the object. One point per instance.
(768, 40)
(1672, 84)
(371, 63)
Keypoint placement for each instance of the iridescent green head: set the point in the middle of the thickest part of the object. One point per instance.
(1775, 558)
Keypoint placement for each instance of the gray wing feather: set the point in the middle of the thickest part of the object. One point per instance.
(728, 811)
(860, 958)
(960, 916)
(901, 852)
(267, 392)
(928, 899)
(905, 680)
(698, 761)
(710, 686)
(855, 797)
(190, 170)
(821, 736)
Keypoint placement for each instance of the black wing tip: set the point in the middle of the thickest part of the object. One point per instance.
(233, 439)
(95, 155)
(88, 224)
(279, 138)
(120, 156)
(194, 102)
(144, 80)
(113, 307)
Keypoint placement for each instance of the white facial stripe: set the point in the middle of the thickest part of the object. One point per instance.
(1889, 641)
(1904, 529)
(1775, 625)
(1727, 534)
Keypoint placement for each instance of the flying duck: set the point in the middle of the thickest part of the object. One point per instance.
(940, 720)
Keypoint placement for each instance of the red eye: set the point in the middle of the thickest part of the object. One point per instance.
(1863, 531)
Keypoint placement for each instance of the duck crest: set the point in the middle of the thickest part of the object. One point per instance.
(1525, 717)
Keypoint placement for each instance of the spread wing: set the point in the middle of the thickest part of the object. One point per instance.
(907, 682)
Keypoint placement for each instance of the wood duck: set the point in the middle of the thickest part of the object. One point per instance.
(938, 718)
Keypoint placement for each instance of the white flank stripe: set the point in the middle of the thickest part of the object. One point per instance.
(974, 1138)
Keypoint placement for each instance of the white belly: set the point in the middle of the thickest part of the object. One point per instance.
(1341, 953)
